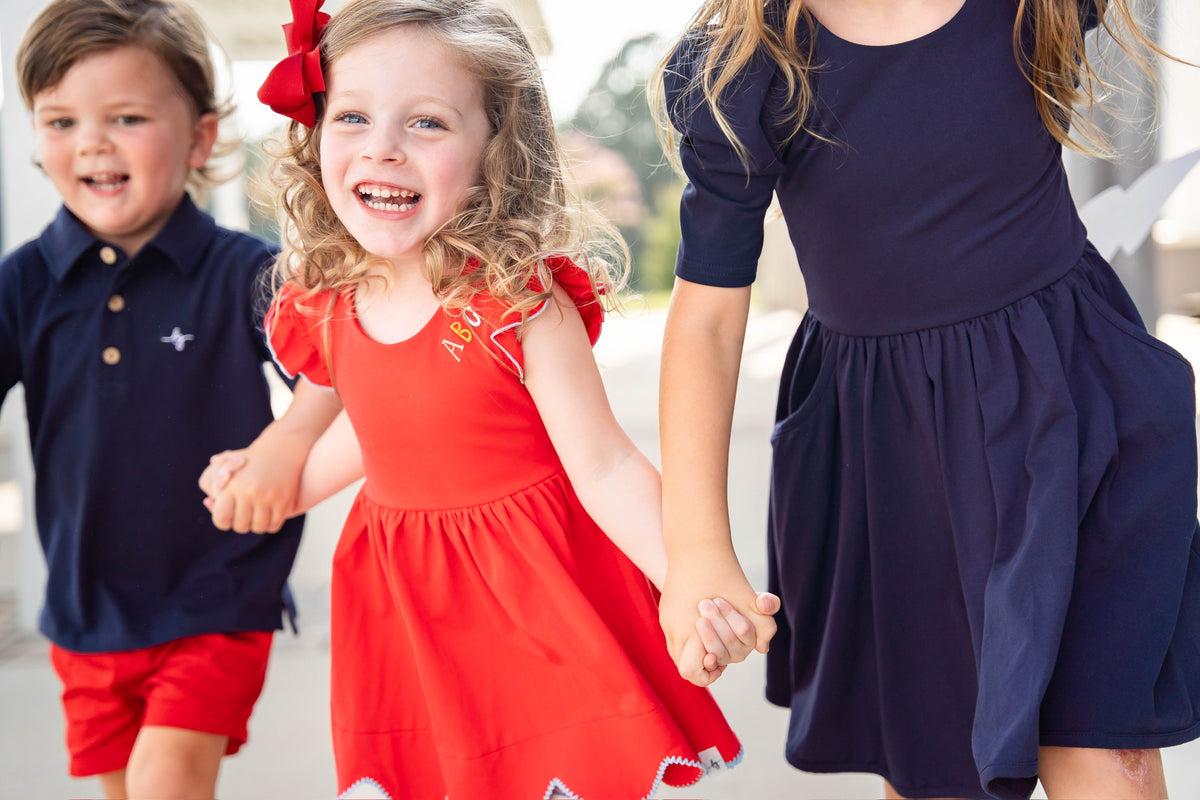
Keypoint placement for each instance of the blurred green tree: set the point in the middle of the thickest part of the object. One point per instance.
(641, 198)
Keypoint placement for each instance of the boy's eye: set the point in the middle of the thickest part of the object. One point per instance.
(429, 123)
(130, 119)
(352, 117)
(60, 124)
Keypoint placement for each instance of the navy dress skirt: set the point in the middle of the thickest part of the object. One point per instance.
(983, 503)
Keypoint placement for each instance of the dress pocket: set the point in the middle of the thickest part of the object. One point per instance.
(807, 374)
(1129, 327)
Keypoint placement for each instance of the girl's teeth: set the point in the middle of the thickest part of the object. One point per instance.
(382, 205)
(381, 199)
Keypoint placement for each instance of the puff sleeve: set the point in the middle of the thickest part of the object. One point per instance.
(567, 275)
(725, 201)
(293, 333)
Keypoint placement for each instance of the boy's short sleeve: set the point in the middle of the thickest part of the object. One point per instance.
(293, 325)
(726, 199)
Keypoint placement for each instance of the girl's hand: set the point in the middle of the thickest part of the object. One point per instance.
(729, 637)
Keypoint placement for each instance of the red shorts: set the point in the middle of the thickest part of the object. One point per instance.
(207, 683)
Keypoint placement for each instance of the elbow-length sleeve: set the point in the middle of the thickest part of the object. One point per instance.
(721, 213)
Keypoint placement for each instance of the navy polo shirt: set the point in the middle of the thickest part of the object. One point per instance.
(135, 372)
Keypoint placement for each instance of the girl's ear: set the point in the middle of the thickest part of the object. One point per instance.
(204, 137)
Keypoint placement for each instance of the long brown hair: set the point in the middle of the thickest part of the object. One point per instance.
(1067, 84)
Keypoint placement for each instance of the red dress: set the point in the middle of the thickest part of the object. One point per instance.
(488, 640)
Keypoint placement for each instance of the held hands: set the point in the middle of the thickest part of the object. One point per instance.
(244, 496)
(706, 630)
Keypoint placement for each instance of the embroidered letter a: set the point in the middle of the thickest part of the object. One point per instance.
(454, 347)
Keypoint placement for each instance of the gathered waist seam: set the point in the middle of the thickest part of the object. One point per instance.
(1065, 275)
(366, 494)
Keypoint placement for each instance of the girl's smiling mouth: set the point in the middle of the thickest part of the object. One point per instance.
(380, 197)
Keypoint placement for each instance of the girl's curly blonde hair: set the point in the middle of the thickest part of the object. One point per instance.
(522, 209)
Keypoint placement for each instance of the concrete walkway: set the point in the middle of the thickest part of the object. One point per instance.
(289, 754)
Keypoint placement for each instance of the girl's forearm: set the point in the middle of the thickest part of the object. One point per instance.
(702, 348)
(334, 462)
(623, 496)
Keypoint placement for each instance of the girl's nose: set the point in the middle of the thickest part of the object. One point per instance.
(385, 145)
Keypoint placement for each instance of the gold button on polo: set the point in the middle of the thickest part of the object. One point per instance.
(116, 303)
(111, 356)
(108, 255)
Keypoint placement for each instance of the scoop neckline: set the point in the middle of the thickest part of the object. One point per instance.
(430, 323)
(859, 45)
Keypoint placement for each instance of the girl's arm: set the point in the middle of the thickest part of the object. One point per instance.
(702, 348)
(264, 490)
(334, 462)
(616, 483)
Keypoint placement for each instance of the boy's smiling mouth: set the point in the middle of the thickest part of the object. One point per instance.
(381, 197)
(105, 181)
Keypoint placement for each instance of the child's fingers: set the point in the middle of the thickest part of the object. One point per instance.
(220, 470)
(735, 631)
(740, 627)
(768, 603)
(243, 517)
(260, 519)
(711, 638)
(222, 511)
(691, 663)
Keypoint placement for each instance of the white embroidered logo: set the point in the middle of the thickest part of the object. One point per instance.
(177, 339)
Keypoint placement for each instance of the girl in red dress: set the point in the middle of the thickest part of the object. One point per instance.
(495, 630)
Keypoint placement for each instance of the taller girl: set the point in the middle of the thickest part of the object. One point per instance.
(983, 505)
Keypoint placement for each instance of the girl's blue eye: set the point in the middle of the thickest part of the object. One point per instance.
(429, 123)
(352, 117)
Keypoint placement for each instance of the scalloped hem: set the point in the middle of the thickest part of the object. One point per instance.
(557, 790)
(356, 789)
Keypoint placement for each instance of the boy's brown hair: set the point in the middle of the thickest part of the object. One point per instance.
(68, 31)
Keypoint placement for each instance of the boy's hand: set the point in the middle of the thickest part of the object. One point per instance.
(218, 472)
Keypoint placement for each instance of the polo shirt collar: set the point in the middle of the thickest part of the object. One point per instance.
(182, 240)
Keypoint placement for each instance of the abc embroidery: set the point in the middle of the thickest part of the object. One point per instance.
(463, 332)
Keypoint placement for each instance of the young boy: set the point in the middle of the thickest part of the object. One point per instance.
(131, 322)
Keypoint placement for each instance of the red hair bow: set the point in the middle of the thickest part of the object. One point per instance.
(290, 86)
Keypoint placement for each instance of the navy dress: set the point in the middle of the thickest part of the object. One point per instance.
(983, 502)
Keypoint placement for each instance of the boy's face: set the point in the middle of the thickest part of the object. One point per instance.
(118, 138)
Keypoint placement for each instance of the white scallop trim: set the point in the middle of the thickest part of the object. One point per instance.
(365, 783)
(516, 364)
(275, 357)
(556, 784)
